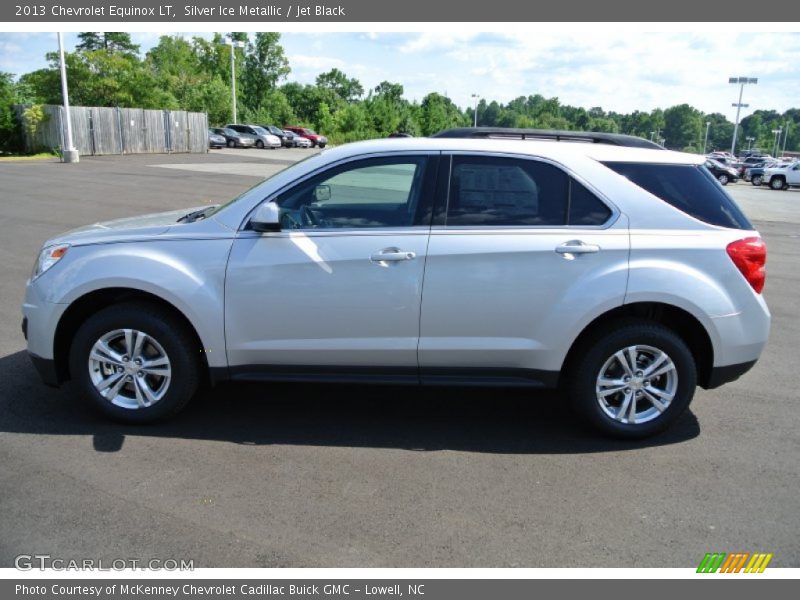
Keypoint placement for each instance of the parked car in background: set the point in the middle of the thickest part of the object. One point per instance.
(279, 133)
(783, 176)
(754, 174)
(296, 141)
(262, 138)
(216, 140)
(316, 139)
(234, 139)
(723, 173)
(399, 134)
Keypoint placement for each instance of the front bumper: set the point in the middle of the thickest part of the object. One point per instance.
(47, 369)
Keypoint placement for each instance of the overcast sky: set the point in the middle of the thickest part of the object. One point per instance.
(619, 71)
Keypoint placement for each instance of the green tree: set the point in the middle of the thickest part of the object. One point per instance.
(684, 128)
(346, 88)
(438, 113)
(10, 131)
(264, 66)
(177, 67)
(112, 41)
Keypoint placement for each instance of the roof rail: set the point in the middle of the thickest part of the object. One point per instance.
(614, 139)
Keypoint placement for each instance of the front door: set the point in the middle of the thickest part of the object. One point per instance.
(340, 285)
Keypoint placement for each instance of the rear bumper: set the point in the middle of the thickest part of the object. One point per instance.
(722, 375)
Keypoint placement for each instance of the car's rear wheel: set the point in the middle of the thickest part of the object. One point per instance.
(723, 179)
(231, 144)
(135, 362)
(632, 380)
(756, 180)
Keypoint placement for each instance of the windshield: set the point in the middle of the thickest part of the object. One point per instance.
(215, 209)
(260, 130)
(229, 131)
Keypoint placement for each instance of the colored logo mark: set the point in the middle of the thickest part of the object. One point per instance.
(736, 562)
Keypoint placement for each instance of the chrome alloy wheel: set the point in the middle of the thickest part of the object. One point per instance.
(129, 368)
(636, 384)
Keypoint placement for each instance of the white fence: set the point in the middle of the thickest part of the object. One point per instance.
(99, 130)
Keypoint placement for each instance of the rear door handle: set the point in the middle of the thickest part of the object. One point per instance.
(392, 255)
(574, 247)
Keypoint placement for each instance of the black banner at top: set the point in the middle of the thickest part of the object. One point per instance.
(281, 11)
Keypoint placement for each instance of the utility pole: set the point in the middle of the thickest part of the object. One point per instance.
(233, 45)
(69, 154)
(475, 114)
(741, 81)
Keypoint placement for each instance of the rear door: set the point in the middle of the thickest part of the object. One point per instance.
(521, 256)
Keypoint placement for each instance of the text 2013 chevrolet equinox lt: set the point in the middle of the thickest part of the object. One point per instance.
(604, 265)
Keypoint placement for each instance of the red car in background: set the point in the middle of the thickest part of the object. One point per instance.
(316, 139)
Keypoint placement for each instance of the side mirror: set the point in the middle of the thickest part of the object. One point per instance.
(322, 193)
(266, 218)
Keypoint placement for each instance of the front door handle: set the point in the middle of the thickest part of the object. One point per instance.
(572, 248)
(392, 255)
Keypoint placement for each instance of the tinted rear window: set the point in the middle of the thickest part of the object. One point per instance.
(689, 188)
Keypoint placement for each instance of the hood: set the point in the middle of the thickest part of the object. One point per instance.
(127, 229)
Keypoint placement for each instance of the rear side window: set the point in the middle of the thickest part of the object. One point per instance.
(689, 188)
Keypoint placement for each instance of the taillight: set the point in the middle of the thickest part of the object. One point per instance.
(750, 257)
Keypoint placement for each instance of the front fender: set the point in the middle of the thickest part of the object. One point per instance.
(188, 274)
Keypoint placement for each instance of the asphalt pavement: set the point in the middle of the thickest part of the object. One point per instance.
(336, 476)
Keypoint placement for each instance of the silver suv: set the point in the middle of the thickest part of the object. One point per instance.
(606, 266)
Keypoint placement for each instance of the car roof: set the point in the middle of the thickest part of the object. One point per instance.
(558, 151)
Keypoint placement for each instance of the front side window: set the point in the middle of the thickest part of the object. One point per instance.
(381, 192)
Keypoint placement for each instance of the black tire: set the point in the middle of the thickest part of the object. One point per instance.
(756, 180)
(259, 144)
(592, 356)
(723, 179)
(321, 145)
(231, 144)
(777, 183)
(173, 337)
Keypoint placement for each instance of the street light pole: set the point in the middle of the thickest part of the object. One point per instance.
(69, 154)
(475, 114)
(775, 146)
(233, 45)
(705, 143)
(750, 141)
(741, 81)
(785, 137)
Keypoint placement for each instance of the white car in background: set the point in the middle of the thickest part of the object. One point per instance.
(782, 177)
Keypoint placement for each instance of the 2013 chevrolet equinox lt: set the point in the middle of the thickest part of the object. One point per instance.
(605, 265)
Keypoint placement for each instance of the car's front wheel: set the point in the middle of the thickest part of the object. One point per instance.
(632, 380)
(135, 362)
(723, 179)
(777, 183)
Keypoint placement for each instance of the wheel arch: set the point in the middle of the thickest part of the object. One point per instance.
(84, 306)
(682, 322)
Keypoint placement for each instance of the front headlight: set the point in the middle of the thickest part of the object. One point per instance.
(49, 256)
